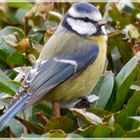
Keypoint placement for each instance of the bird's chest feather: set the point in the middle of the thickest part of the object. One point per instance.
(83, 83)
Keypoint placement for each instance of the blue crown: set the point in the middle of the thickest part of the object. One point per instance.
(85, 7)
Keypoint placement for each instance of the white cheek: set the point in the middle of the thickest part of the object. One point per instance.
(82, 27)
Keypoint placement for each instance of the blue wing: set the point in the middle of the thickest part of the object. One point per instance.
(47, 74)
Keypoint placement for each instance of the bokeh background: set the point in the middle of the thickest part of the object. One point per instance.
(24, 29)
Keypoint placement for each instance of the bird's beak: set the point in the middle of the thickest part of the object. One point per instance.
(102, 22)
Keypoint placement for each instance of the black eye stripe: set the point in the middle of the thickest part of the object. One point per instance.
(85, 19)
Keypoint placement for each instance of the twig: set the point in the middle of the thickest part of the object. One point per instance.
(26, 25)
(30, 126)
(13, 134)
(117, 32)
(17, 36)
(42, 118)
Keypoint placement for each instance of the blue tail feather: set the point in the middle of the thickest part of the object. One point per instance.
(11, 112)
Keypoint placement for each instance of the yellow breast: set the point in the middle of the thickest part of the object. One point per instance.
(83, 83)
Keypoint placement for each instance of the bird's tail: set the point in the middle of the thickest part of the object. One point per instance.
(11, 112)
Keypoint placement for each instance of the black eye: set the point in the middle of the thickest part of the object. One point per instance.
(86, 19)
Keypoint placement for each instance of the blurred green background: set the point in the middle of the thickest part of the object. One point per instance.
(24, 29)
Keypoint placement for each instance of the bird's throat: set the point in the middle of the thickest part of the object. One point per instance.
(99, 38)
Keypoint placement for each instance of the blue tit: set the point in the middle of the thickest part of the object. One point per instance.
(69, 65)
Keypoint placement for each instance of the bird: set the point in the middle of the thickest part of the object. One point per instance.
(69, 65)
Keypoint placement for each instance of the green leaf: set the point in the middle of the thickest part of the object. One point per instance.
(97, 87)
(20, 14)
(62, 123)
(125, 51)
(99, 112)
(6, 49)
(87, 116)
(133, 31)
(117, 16)
(6, 85)
(132, 133)
(123, 81)
(3, 12)
(136, 121)
(10, 40)
(5, 88)
(10, 30)
(117, 131)
(99, 130)
(3, 54)
(5, 133)
(19, 4)
(126, 71)
(73, 135)
(16, 58)
(30, 136)
(16, 129)
(123, 117)
(105, 90)
(11, 19)
(137, 118)
(55, 134)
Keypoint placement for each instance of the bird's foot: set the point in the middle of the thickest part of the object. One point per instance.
(86, 101)
(83, 103)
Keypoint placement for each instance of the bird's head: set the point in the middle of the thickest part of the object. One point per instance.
(84, 19)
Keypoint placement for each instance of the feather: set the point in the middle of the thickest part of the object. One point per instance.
(55, 71)
(4, 119)
(44, 76)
